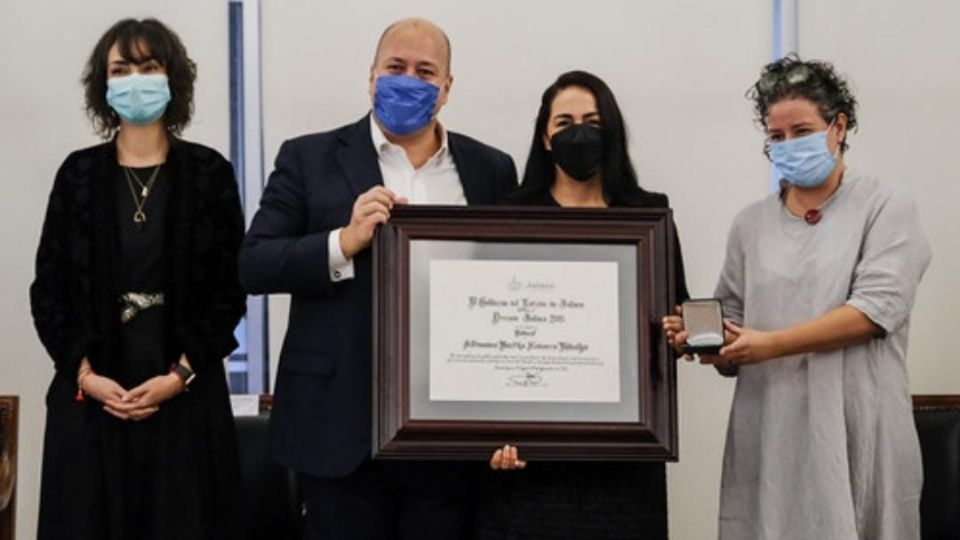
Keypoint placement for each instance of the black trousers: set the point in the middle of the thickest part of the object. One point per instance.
(395, 500)
(574, 501)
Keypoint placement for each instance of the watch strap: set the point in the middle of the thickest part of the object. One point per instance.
(186, 374)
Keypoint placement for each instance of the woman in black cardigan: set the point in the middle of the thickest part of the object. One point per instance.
(578, 158)
(136, 298)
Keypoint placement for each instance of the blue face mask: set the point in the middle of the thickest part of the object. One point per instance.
(404, 104)
(805, 162)
(138, 99)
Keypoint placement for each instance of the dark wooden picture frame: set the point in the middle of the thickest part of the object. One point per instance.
(647, 231)
(9, 416)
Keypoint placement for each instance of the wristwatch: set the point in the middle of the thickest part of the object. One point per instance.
(186, 374)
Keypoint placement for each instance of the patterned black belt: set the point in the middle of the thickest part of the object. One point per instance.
(134, 303)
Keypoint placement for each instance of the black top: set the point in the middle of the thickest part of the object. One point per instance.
(141, 271)
(141, 245)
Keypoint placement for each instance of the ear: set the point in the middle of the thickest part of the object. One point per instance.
(372, 84)
(546, 142)
(841, 123)
(445, 91)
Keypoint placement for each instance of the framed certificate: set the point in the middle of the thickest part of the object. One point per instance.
(8, 465)
(537, 327)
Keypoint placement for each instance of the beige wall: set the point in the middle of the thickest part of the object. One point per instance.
(679, 69)
(903, 58)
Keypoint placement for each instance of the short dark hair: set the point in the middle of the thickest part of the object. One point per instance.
(135, 38)
(617, 173)
(813, 80)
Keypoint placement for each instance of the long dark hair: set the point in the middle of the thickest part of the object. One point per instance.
(617, 173)
(164, 46)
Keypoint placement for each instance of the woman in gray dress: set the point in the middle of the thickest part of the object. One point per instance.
(817, 288)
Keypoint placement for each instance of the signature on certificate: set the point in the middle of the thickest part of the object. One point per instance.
(528, 377)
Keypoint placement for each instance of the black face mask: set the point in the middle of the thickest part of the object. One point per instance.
(578, 150)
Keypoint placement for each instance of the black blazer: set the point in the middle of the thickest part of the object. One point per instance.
(321, 418)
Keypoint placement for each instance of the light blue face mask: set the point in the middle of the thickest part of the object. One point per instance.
(138, 99)
(805, 162)
(403, 104)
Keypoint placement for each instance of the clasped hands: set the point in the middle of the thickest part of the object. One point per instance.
(741, 345)
(136, 404)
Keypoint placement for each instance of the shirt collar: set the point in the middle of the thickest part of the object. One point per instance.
(382, 145)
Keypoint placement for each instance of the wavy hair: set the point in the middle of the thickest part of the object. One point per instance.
(138, 41)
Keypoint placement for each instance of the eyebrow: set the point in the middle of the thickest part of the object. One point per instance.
(125, 62)
(568, 115)
(803, 124)
(421, 63)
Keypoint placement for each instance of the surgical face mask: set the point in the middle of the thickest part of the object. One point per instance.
(138, 99)
(805, 162)
(403, 104)
(578, 150)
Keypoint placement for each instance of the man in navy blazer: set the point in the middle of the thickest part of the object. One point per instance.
(311, 237)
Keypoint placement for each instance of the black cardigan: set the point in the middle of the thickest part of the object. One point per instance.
(74, 295)
(194, 465)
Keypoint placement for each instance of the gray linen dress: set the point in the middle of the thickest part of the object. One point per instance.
(823, 445)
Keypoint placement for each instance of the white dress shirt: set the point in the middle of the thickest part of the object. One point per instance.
(435, 182)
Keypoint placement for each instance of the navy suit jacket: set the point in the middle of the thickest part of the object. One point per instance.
(321, 418)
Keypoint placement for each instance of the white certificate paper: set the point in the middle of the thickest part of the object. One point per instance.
(524, 331)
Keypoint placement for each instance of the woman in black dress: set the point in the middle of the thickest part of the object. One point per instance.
(578, 158)
(136, 298)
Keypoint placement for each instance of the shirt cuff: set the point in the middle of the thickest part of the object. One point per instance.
(341, 268)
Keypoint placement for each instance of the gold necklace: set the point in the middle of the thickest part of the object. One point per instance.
(139, 216)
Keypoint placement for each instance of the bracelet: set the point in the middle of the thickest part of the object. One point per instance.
(80, 392)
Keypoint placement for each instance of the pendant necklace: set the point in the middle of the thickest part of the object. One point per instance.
(139, 216)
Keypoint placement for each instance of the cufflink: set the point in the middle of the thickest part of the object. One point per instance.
(336, 274)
